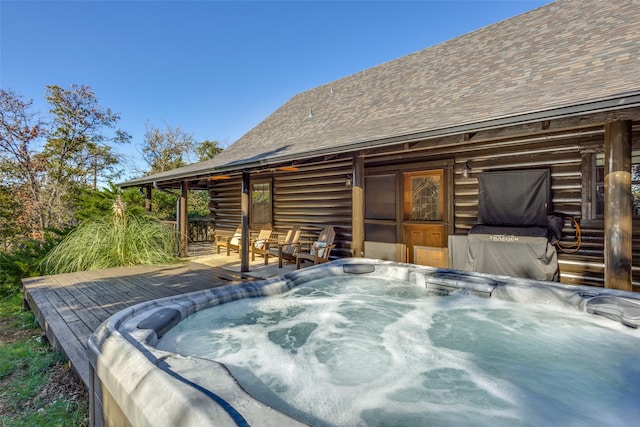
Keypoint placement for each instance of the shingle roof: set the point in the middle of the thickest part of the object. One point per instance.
(566, 53)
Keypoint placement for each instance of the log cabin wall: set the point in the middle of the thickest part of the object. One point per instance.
(225, 204)
(317, 194)
(568, 154)
(570, 161)
(564, 158)
(313, 196)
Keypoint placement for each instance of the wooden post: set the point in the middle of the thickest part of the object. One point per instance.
(147, 198)
(618, 206)
(244, 242)
(183, 220)
(357, 208)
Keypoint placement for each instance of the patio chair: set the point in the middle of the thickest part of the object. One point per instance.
(288, 249)
(261, 244)
(320, 249)
(229, 242)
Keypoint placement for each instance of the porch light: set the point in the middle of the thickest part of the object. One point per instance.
(466, 171)
(219, 177)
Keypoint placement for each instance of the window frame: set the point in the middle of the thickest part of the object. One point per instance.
(258, 222)
(389, 222)
(591, 183)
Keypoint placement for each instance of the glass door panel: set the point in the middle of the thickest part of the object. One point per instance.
(423, 211)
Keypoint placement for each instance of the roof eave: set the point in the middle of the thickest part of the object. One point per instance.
(615, 102)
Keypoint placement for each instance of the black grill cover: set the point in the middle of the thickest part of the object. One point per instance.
(514, 198)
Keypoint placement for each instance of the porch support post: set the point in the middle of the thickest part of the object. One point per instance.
(147, 198)
(183, 220)
(617, 205)
(357, 207)
(244, 205)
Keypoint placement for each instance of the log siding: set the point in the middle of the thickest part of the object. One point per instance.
(318, 193)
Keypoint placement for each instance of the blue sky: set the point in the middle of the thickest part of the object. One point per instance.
(215, 68)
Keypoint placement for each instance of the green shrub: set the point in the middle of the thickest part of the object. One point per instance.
(89, 204)
(24, 261)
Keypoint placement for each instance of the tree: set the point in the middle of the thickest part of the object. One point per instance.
(44, 163)
(77, 147)
(166, 149)
(170, 148)
(208, 150)
(11, 225)
(199, 200)
(91, 204)
(21, 167)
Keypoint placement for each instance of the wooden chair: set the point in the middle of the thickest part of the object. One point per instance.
(229, 242)
(320, 249)
(261, 244)
(288, 249)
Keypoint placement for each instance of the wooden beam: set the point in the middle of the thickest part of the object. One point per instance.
(618, 206)
(244, 207)
(183, 220)
(357, 211)
(147, 197)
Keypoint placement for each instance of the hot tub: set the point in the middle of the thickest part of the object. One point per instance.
(483, 350)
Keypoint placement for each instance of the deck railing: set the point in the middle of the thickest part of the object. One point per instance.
(199, 229)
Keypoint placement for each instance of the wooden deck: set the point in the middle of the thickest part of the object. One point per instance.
(69, 307)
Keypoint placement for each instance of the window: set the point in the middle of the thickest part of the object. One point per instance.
(598, 187)
(423, 196)
(380, 208)
(260, 203)
(380, 197)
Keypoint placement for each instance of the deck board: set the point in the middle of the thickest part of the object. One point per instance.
(69, 307)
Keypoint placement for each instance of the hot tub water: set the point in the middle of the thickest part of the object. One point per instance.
(359, 351)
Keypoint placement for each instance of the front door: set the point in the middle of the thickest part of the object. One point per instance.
(423, 210)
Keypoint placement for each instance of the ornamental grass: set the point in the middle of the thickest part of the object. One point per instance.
(117, 241)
